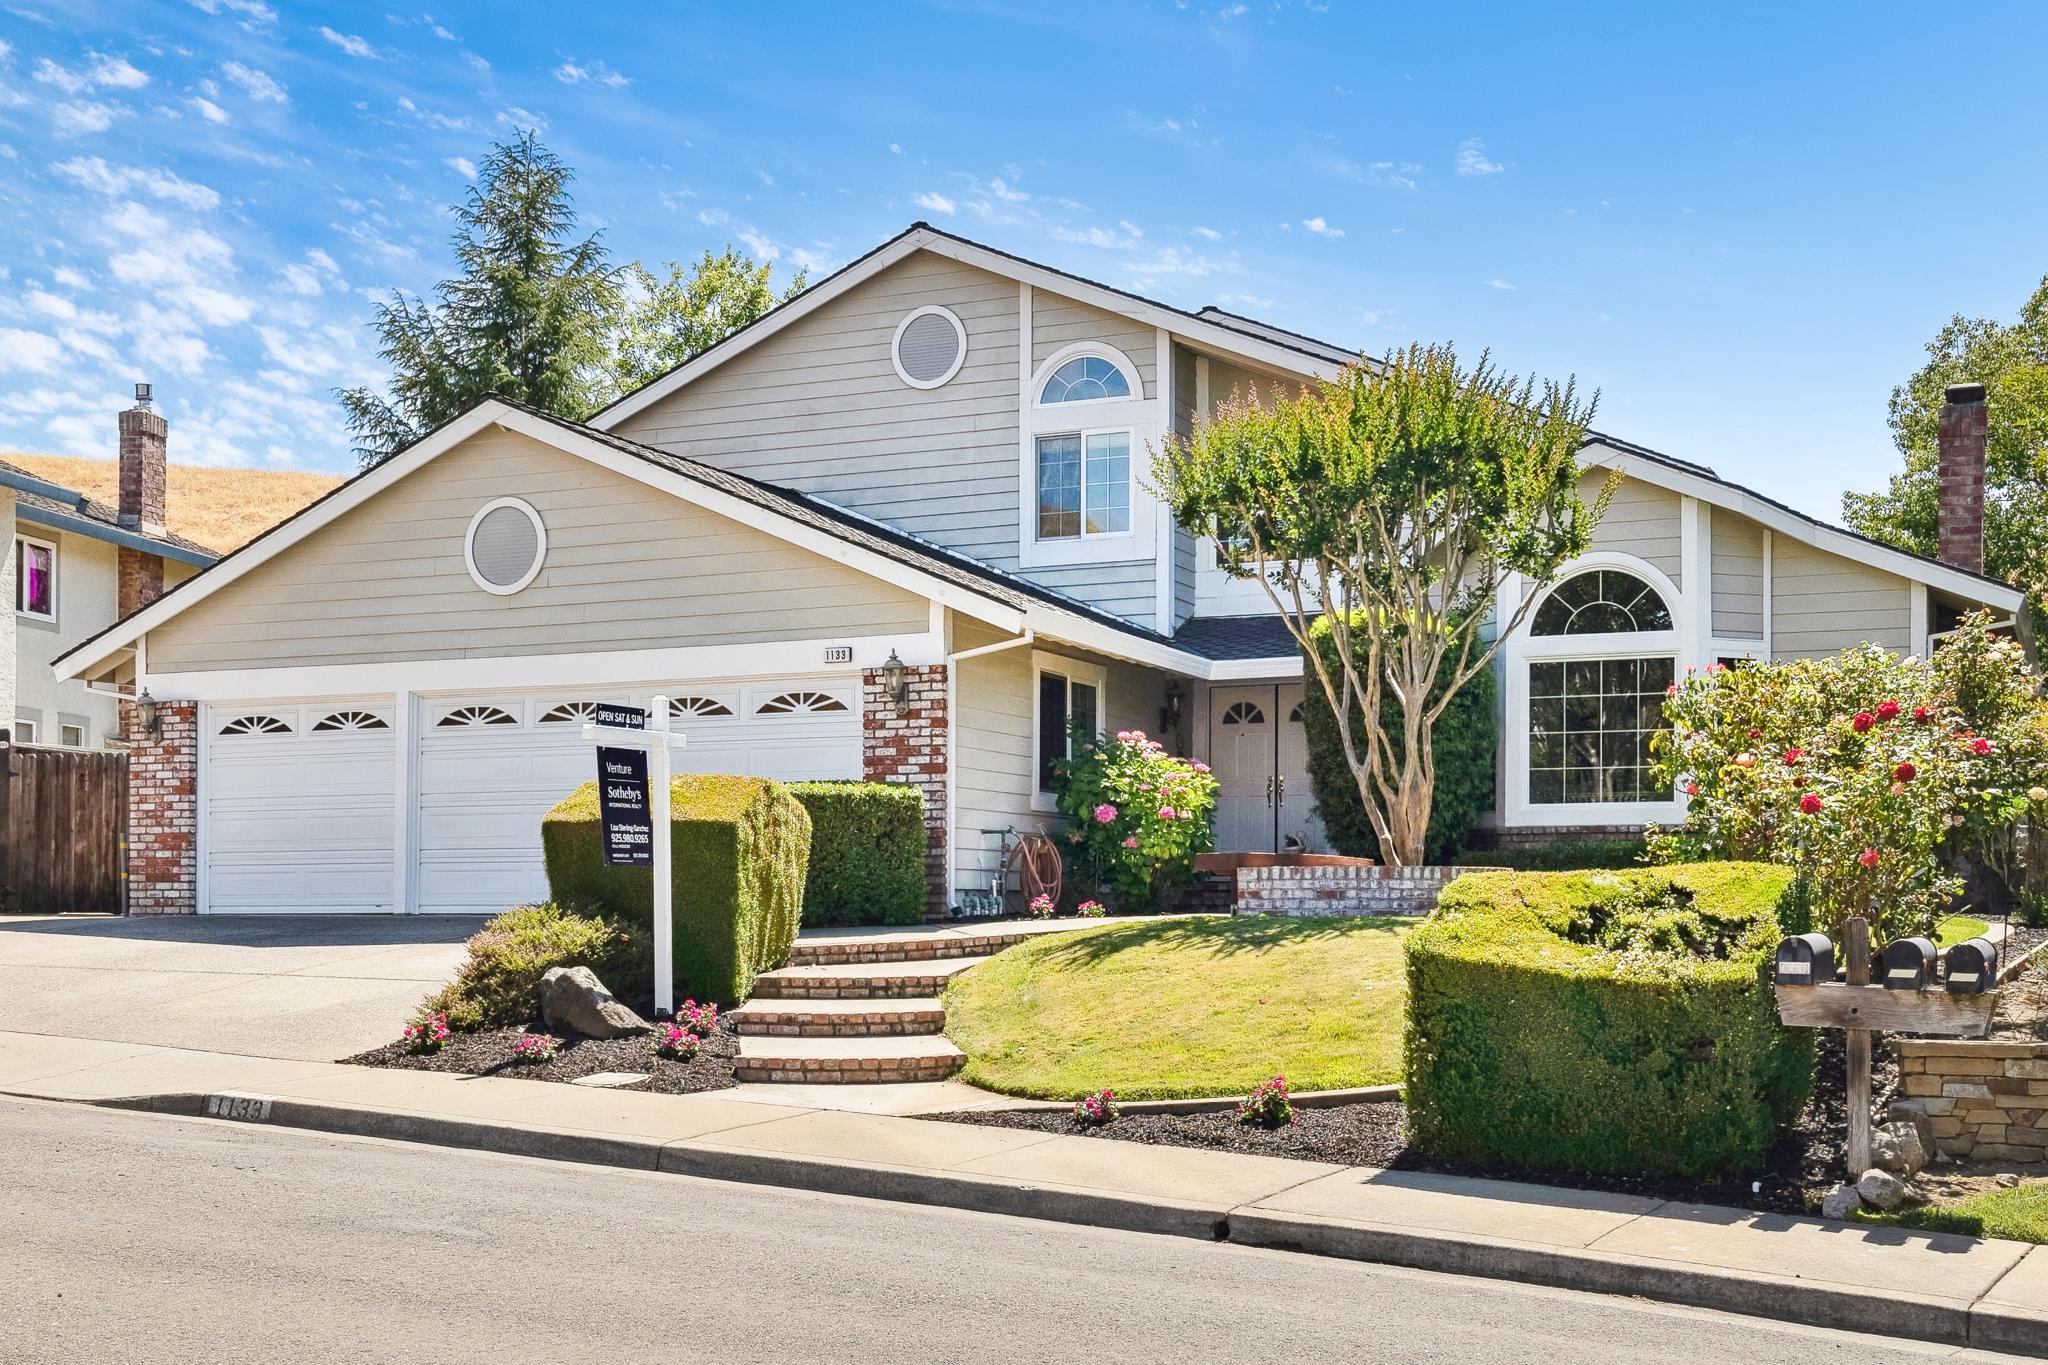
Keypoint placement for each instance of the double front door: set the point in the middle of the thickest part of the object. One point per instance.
(1260, 754)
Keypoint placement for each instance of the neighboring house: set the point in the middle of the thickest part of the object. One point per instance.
(899, 529)
(75, 566)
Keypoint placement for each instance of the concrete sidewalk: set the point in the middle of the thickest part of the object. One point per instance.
(1936, 1287)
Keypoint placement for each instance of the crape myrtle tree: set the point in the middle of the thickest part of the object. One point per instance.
(1392, 503)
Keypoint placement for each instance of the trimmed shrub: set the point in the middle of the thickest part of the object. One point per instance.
(740, 847)
(1566, 855)
(1604, 1021)
(498, 985)
(867, 852)
(1462, 746)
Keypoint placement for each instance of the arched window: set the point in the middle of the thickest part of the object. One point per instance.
(1601, 602)
(1083, 379)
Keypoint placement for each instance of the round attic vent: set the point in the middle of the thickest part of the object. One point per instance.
(505, 546)
(929, 347)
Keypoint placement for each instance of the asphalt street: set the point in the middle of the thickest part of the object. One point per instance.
(144, 1238)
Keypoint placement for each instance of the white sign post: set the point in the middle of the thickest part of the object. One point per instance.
(659, 743)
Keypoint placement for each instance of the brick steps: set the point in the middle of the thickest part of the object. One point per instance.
(930, 947)
(856, 1018)
(861, 981)
(846, 1061)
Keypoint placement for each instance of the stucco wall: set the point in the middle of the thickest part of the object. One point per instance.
(85, 606)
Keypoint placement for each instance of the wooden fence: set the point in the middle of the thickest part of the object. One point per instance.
(63, 813)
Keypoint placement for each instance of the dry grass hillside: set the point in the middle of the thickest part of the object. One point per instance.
(222, 509)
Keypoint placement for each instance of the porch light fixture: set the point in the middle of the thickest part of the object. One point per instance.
(145, 715)
(1169, 714)
(896, 679)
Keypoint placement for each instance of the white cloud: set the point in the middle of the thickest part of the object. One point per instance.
(1498, 283)
(1472, 159)
(348, 42)
(896, 149)
(1009, 194)
(1208, 234)
(1173, 260)
(1123, 237)
(93, 173)
(808, 261)
(79, 118)
(25, 352)
(759, 245)
(253, 12)
(937, 203)
(50, 305)
(1246, 301)
(105, 73)
(257, 85)
(70, 278)
(462, 166)
(1321, 227)
(182, 267)
(301, 279)
(207, 109)
(713, 217)
(512, 116)
(596, 73)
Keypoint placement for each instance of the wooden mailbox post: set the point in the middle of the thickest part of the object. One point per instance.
(1805, 1000)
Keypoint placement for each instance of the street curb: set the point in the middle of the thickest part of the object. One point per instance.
(1313, 1099)
(1946, 1321)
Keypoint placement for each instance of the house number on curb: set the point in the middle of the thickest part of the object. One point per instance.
(252, 1107)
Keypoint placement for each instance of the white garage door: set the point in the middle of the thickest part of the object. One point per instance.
(491, 767)
(299, 809)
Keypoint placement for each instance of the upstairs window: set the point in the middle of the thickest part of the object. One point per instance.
(35, 578)
(1601, 602)
(1084, 485)
(1085, 379)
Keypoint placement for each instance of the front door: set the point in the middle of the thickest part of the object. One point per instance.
(1299, 827)
(1260, 753)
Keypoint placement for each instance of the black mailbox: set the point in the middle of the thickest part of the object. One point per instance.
(1909, 964)
(1806, 960)
(1972, 967)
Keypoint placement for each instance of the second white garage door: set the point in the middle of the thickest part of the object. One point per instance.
(491, 766)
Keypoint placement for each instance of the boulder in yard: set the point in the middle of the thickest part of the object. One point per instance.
(1896, 1147)
(1881, 1189)
(1916, 1113)
(573, 998)
(1840, 1202)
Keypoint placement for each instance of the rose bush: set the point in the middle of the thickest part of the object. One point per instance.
(1137, 816)
(1868, 773)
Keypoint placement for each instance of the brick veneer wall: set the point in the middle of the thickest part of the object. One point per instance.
(1988, 1101)
(1319, 892)
(163, 811)
(907, 743)
(1539, 836)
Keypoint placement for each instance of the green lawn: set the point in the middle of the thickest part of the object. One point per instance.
(1955, 929)
(2019, 1215)
(1190, 1007)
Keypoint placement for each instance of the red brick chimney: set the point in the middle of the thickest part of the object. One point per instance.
(1960, 516)
(144, 437)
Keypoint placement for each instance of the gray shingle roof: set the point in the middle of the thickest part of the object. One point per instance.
(1235, 637)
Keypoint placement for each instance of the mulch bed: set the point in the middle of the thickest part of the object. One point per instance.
(1802, 1165)
(490, 1054)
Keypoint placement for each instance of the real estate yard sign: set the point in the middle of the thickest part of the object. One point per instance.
(622, 793)
(635, 815)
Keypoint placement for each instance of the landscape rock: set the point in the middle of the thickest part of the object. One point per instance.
(1915, 1113)
(573, 998)
(1896, 1147)
(1881, 1189)
(1840, 1202)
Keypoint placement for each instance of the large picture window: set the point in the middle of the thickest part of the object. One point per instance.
(1084, 485)
(1590, 722)
(35, 578)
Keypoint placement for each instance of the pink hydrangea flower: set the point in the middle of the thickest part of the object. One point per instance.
(1131, 841)
(1201, 767)
(1167, 813)
(1105, 813)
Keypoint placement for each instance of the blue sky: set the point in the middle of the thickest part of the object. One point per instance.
(1739, 223)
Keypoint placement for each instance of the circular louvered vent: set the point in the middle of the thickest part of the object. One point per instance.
(505, 546)
(929, 347)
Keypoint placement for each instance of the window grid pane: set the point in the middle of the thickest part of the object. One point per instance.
(1059, 487)
(1590, 723)
(1108, 497)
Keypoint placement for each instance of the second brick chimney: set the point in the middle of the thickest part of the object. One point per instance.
(145, 438)
(1960, 514)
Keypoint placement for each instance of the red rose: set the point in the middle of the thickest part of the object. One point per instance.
(1980, 746)
(1905, 772)
(1793, 756)
(1756, 734)
(1868, 857)
(1864, 720)
(1888, 711)
(1922, 716)
(1692, 789)
(1810, 804)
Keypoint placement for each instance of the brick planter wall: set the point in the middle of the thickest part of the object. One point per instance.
(163, 811)
(907, 743)
(1988, 1101)
(1519, 837)
(1315, 892)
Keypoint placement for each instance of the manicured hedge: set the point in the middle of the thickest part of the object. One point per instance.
(867, 853)
(498, 984)
(740, 847)
(1557, 1020)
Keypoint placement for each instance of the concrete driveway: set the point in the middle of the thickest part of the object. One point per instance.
(311, 988)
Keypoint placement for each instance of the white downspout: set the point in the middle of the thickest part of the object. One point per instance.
(952, 750)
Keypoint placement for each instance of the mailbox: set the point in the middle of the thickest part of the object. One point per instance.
(1806, 960)
(1909, 964)
(1972, 967)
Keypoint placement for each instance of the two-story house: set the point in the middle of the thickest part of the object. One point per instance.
(899, 528)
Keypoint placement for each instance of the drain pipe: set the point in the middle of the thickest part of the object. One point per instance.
(952, 752)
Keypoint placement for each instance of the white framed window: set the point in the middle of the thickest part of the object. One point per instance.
(1067, 695)
(35, 578)
(1087, 426)
(71, 735)
(24, 731)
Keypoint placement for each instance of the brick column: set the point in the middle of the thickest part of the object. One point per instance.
(163, 811)
(907, 744)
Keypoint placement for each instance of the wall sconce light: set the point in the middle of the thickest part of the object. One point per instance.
(145, 715)
(896, 679)
(1169, 714)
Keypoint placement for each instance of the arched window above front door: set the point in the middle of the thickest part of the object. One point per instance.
(1601, 602)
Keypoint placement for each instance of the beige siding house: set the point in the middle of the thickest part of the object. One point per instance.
(898, 529)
